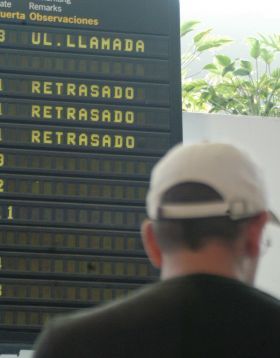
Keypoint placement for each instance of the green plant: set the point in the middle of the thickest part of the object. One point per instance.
(200, 43)
(237, 86)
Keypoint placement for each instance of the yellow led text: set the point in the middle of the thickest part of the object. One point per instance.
(2, 35)
(82, 90)
(82, 139)
(12, 15)
(82, 114)
(88, 42)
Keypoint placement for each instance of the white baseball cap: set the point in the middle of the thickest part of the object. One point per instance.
(224, 168)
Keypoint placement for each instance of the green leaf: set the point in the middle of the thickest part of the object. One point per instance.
(276, 73)
(201, 35)
(231, 86)
(229, 68)
(246, 65)
(196, 85)
(213, 43)
(225, 89)
(188, 27)
(267, 56)
(211, 68)
(223, 60)
(272, 41)
(242, 72)
(255, 49)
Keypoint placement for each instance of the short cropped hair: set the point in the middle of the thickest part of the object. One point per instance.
(194, 233)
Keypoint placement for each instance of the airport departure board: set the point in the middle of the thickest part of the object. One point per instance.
(90, 99)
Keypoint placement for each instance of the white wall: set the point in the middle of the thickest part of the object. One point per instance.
(261, 138)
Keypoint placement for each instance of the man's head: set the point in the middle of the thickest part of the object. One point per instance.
(207, 208)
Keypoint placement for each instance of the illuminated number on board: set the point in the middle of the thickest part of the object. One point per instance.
(1, 185)
(1, 160)
(10, 213)
(2, 35)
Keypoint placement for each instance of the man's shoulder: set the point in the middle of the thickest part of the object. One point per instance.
(229, 289)
(91, 327)
(109, 309)
(165, 311)
(178, 294)
(118, 309)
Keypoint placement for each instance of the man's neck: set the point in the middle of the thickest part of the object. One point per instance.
(214, 259)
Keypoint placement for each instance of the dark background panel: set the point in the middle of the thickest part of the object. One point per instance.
(84, 66)
(77, 164)
(25, 319)
(91, 42)
(53, 214)
(61, 293)
(72, 241)
(175, 73)
(43, 234)
(125, 16)
(97, 140)
(77, 267)
(84, 114)
(63, 189)
(94, 91)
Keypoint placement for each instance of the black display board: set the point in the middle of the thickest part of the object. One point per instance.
(90, 99)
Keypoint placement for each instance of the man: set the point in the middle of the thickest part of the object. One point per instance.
(207, 210)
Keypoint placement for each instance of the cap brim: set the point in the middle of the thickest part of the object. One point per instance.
(203, 210)
(193, 210)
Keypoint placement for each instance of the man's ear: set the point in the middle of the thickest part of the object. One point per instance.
(150, 243)
(253, 232)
